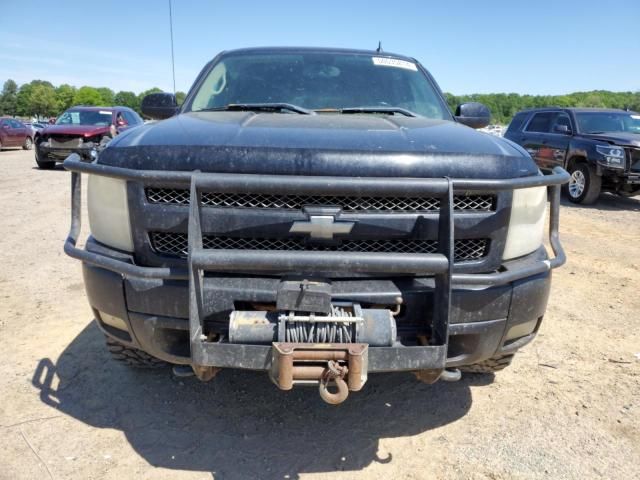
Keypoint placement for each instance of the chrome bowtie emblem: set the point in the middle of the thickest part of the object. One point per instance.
(322, 227)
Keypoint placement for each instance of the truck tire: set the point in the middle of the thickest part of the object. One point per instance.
(584, 185)
(491, 365)
(133, 357)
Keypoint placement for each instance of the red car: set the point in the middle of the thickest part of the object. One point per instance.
(81, 130)
(13, 133)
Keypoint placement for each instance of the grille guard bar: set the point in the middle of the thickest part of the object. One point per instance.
(265, 261)
(208, 354)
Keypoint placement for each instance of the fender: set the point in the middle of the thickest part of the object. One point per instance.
(580, 147)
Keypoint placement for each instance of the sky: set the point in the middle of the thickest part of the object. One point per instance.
(541, 47)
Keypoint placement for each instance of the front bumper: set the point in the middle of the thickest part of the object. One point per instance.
(156, 313)
(468, 316)
(59, 154)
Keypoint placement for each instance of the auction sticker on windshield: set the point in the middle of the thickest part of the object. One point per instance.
(394, 62)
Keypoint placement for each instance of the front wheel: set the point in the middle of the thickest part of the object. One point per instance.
(132, 357)
(584, 185)
(28, 144)
(44, 164)
(491, 365)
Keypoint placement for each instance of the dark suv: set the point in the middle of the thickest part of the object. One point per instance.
(599, 147)
(319, 214)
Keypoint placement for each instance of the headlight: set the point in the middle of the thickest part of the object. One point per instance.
(613, 156)
(526, 225)
(109, 212)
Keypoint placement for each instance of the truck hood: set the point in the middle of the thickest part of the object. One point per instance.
(323, 144)
(77, 130)
(624, 139)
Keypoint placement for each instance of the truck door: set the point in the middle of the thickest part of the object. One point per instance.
(539, 140)
(559, 138)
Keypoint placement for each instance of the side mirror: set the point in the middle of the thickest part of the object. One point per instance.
(473, 114)
(159, 105)
(562, 129)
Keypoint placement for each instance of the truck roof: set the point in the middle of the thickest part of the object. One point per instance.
(88, 108)
(316, 50)
(575, 109)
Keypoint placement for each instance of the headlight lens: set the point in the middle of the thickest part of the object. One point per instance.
(109, 212)
(613, 156)
(526, 225)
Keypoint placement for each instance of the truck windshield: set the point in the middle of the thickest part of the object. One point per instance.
(85, 117)
(599, 122)
(320, 81)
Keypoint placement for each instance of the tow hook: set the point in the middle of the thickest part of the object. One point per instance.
(451, 375)
(336, 373)
(328, 365)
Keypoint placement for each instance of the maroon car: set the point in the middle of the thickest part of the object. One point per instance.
(13, 133)
(81, 130)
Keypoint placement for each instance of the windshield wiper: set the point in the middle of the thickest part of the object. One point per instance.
(389, 110)
(260, 107)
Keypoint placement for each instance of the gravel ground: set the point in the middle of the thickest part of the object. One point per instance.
(568, 407)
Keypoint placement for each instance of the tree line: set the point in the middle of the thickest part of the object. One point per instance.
(40, 98)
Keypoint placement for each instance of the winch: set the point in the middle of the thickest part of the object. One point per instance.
(313, 348)
(315, 340)
(346, 323)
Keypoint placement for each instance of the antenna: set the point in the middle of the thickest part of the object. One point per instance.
(173, 63)
(379, 49)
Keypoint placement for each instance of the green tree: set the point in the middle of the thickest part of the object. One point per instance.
(107, 95)
(42, 101)
(127, 99)
(180, 97)
(23, 98)
(87, 96)
(9, 98)
(65, 95)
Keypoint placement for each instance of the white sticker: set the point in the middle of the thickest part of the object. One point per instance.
(394, 62)
(103, 112)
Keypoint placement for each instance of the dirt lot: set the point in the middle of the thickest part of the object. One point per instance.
(569, 407)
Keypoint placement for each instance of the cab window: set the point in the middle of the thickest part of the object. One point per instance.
(541, 122)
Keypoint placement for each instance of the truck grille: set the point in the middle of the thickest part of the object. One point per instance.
(170, 243)
(177, 196)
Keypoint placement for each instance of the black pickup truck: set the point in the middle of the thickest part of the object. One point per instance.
(599, 147)
(319, 214)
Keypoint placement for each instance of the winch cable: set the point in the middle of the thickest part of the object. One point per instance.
(324, 331)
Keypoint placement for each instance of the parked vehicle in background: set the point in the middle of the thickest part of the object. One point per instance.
(319, 214)
(36, 126)
(497, 130)
(14, 133)
(81, 130)
(599, 147)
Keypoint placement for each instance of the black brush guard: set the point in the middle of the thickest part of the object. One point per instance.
(206, 352)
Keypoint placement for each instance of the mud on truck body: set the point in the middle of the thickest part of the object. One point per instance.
(320, 215)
